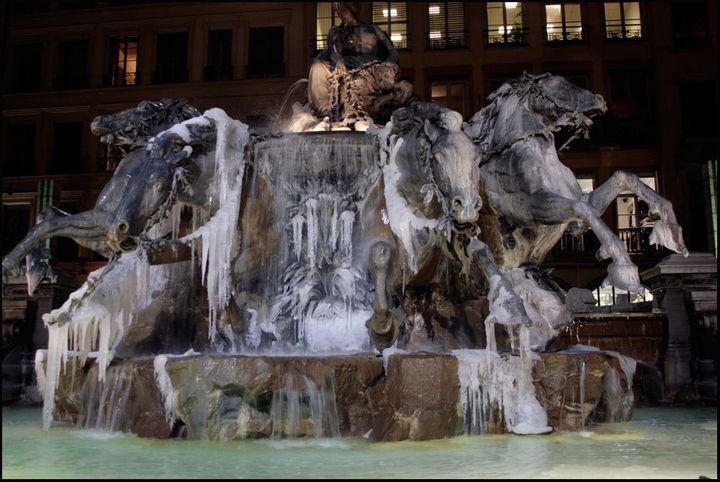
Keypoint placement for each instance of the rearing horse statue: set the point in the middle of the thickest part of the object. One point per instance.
(534, 197)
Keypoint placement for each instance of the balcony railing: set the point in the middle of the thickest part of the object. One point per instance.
(500, 37)
(692, 40)
(70, 80)
(627, 31)
(452, 40)
(122, 79)
(265, 70)
(569, 34)
(218, 72)
(584, 245)
(637, 240)
(170, 75)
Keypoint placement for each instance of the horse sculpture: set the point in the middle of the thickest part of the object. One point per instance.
(426, 204)
(129, 131)
(533, 198)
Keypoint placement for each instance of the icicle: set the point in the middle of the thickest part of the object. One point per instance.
(489, 380)
(312, 231)
(162, 379)
(346, 234)
(220, 234)
(297, 223)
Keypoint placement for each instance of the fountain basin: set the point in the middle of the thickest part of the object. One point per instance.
(419, 397)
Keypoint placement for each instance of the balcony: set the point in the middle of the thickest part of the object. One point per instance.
(584, 245)
(265, 70)
(637, 240)
(170, 75)
(617, 31)
(70, 81)
(122, 79)
(567, 34)
(453, 40)
(499, 37)
(218, 72)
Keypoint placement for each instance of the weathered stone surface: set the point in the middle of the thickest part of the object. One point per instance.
(228, 397)
(558, 378)
(418, 400)
(128, 400)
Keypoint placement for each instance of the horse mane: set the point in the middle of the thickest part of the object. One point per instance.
(481, 127)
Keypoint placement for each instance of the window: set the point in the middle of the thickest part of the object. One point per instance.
(610, 295)
(266, 52)
(124, 61)
(325, 18)
(690, 25)
(72, 65)
(629, 120)
(563, 22)
(622, 20)
(392, 18)
(633, 222)
(26, 76)
(219, 55)
(698, 103)
(171, 57)
(451, 93)
(20, 151)
(585, 244)
(505, 23)
(67, 155)
(446, 26)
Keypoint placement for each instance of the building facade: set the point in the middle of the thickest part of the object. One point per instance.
(655, 63)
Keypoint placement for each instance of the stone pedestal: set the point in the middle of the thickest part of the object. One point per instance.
(686, 290)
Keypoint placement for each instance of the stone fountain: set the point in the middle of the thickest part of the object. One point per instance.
(347, 275)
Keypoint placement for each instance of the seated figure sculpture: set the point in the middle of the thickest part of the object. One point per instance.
(355, 79)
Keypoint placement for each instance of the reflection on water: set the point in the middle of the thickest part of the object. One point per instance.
(658, 443)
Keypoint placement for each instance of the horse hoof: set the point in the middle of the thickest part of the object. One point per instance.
(624, 276)
(669, 235)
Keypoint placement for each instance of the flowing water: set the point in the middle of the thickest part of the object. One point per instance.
(657, 443)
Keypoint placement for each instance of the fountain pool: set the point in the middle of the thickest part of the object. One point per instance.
(657, 443)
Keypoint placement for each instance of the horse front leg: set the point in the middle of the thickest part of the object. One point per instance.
(506, 307)
(666, 231)
(88, 224)
(383, 327)
(547, 208)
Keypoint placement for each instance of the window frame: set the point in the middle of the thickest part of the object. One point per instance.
(115, 42)
(564, 22)
(506, 36)
(446, 42)
(389, 24)
(623, 24)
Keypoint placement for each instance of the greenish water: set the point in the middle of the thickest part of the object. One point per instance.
(657, 443)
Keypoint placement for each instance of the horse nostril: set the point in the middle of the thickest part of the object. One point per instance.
(123, 227)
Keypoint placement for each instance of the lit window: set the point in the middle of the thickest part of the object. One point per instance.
(446, 26)
(451, 93)
(586, 183)
(325, 18)
(392, 18)
(563, 22)
(633, 219)
(124, 67)
(622, 20)
(505, 23)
